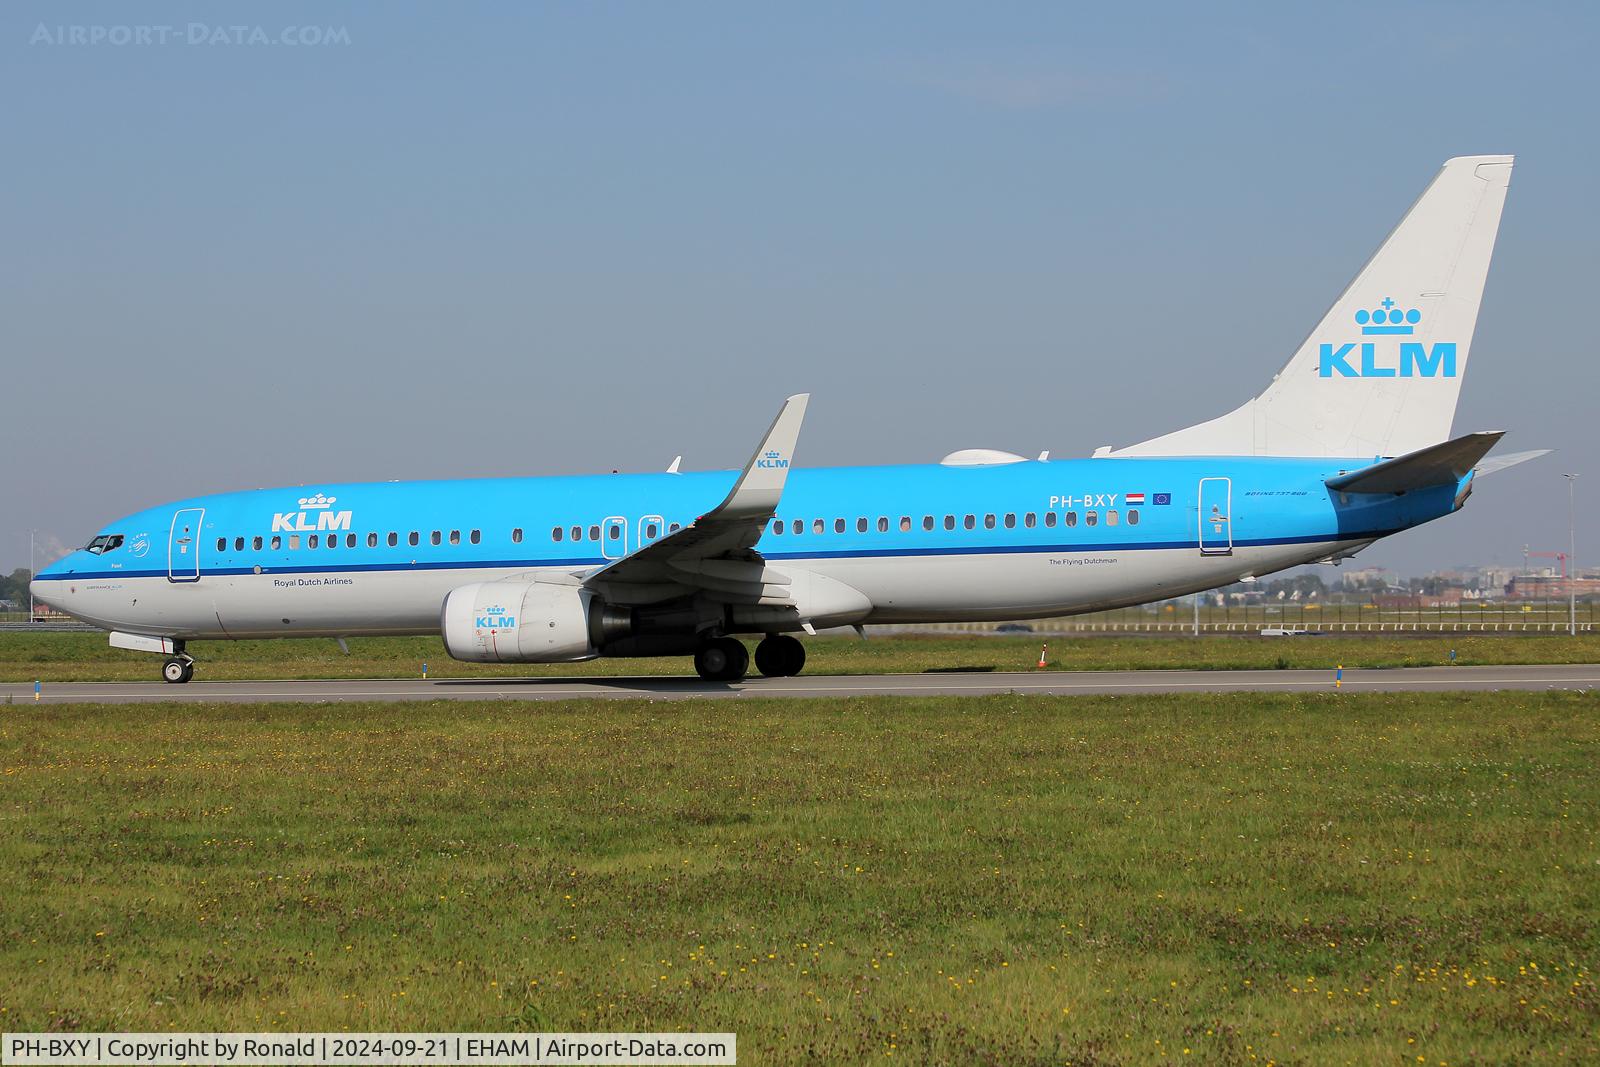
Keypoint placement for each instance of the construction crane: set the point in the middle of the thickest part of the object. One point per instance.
(1559, 556)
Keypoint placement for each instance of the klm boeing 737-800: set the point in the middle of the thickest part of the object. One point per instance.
(1349, 443)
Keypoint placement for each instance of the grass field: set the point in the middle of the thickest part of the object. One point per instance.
(74, 657)
(1247, 878)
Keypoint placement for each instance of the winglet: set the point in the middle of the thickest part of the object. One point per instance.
(760, 485)
(673, 467)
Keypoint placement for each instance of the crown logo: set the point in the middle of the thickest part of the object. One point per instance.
(309, 503)
(1388, 319)
(496, 610)
(772, 454)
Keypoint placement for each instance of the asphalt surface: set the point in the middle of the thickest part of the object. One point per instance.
(1416, 679)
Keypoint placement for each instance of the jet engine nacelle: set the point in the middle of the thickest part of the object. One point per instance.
(526, 622)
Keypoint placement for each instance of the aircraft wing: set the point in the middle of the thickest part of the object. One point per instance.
(714, 553)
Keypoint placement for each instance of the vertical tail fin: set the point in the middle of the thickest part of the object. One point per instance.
(1380, 375)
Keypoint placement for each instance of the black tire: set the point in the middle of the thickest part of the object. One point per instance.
(780, 656)
(722, 660)
(176, 671)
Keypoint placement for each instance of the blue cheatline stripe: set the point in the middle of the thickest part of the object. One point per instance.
(879, 553)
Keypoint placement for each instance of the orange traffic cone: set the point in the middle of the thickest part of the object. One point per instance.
(1041, 655)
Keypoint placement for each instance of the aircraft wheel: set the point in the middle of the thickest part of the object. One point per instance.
(177, 671)
(780, 656)
(722, 660)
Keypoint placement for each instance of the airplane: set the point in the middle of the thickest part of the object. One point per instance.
(1348, 444)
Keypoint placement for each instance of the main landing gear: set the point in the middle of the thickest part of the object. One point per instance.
(780, 656)
(725, 659)
(178, 669)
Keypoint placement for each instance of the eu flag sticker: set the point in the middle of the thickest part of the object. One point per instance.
(1161, 498)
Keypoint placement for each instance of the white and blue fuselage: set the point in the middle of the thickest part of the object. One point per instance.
(920, 543)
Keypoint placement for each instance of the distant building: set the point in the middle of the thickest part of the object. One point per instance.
(1550, 587)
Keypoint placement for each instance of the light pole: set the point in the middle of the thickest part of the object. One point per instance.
(30, 576)
(1572, 563)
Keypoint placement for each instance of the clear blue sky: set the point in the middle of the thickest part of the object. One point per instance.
(526, 239)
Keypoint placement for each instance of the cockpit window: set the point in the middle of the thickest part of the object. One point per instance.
(103, 544)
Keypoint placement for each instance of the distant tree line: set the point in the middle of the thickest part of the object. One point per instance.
(14, 587)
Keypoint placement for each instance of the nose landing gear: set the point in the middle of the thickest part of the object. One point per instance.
(178, 669)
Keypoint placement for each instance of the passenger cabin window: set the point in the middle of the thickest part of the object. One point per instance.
(988, 522)
(413, 539)
(577, 533)
(435, 537)
(616, 532)
(675, 527)
(927, 522)
(883, 524)
(333, 540)
(238, 544)
(222, 544)
(1090, 518)
(594, 533)
(777, 526)
(1050, 519)
(394, 539)
(350, 540)
(1029, 520)
(455, 537)
(1111, 516)
(970, 522)
(816, 526)
(255, 544)
(905, 524)
(555, 534)
(650, 530)
(516, 536)
(861, 525)
(372, 540)
(475, 537)
(838, 525)
(1071, 518)
(799, 526)
(1011, 521)
(949, 522)
(311, 541)
(1133, 516)
(277, 543)
(294, 541)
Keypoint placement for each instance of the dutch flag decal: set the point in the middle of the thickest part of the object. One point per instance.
(1134, 499)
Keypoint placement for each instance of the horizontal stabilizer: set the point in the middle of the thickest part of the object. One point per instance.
(1500, 463)
(1436, 465)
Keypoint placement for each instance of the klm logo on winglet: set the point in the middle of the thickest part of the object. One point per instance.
(495, 618)
(773, 461)
(1415, 360)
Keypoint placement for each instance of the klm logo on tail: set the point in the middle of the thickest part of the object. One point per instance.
(1414, 359)
(773, 461)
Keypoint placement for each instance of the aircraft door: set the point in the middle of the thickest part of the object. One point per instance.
(183, 546)
(650, 529)
(614, 537)
(1216, 526)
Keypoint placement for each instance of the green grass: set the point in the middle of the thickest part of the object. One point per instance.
(1326, 879)
(64, 657)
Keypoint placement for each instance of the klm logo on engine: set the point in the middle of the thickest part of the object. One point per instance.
(316, 514)
(1374, 359)
(773, 461)
(495, 618)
